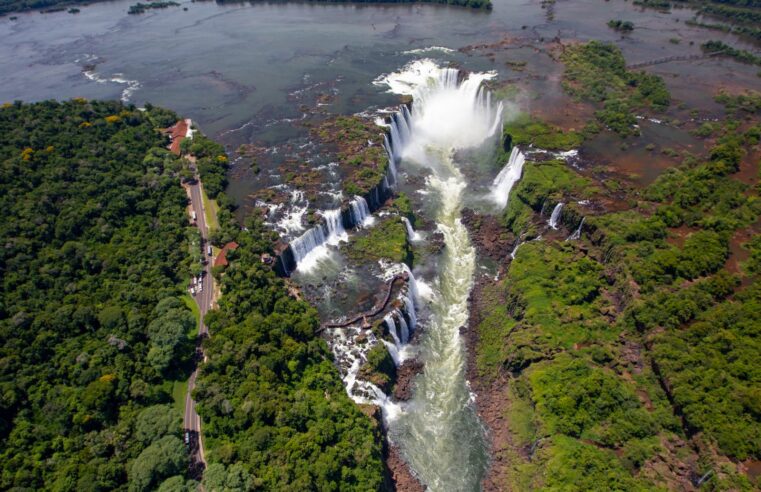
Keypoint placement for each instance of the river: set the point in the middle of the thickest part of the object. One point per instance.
(246, 72)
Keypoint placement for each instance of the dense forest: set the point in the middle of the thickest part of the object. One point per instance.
(96, 336)
(628, 356)
(93, 328)
(276, 415)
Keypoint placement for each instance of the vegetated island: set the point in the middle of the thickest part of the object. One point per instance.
(141, 8)
(97, 336)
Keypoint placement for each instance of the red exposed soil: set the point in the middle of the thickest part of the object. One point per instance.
(404, 480)
(405, 379)
(488, 235)
(492, 397)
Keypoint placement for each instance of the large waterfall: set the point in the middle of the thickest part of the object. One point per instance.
(438, 431)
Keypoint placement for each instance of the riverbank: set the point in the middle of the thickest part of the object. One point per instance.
(584, 350)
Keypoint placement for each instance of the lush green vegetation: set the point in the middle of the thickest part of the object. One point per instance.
(713, 372)
(543, 185)
(739, 55)
(750, 15)
(276, 415)
(596, 72)
(211, 161)
(387, 239)
(635, 346)
(751, 32)
(91, 326)
(620, 25)
(524, 130)
(363, 166)
(141, 8)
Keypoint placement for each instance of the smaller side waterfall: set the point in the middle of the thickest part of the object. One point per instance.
(555, 215)
(515, 249)
(403, 325)
(411, 313)
(412, 235)
(577, 233)
(507, 177)
(391, 325)
(393, 350)
(412, 285)
(360, 212)
(311, 245)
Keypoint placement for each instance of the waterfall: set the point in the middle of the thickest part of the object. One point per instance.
(438, 432)
(409, 306)
(360, 212)
(515, 249)
(311, 246)
(555, 215)
(411, 234)
(507, 177)
(393, 350)
(412, 284)
(349, 347)
(403, 325)
(577, 233)
(391, 325)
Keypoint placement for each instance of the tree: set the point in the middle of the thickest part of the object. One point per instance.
(163, 458)
(155, 422)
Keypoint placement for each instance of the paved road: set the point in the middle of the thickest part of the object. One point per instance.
(191, 421)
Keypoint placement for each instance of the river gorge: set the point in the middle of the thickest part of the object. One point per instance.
(374, 142)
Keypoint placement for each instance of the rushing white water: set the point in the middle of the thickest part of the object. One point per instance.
(507, 177)
(577, 233)
(132, 85)
(515, 249)
(312, 246)
(553, 222)
(438, 431)
(360, 212)
(412, 235)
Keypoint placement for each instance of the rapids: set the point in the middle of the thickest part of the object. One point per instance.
(438, 431)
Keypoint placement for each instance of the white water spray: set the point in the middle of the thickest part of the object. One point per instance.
(553, 222)
(411, 234)
(577, 233)
(507, 177)
(312, 246)
(438, 432)
(360, 212)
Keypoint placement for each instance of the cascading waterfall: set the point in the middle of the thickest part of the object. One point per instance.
(311, 246)
(412, 235)
(507, 177)
(403, 326)
(393, 350)
(360, 212)
(577, 233)
(438, 432)
(515, 249)
(555, 215)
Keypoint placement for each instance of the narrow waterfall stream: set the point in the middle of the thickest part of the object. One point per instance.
(438, 431)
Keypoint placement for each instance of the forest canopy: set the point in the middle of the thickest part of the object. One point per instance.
(92, 331)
